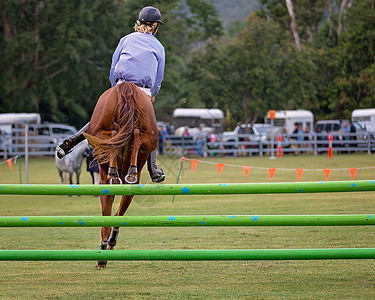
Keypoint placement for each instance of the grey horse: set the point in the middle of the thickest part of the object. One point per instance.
(72, 162)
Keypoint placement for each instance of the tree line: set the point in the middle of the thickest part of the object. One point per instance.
(312, 54)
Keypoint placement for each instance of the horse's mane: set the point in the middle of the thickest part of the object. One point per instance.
(128, 116)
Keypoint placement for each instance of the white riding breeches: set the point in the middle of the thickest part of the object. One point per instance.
(146, 90)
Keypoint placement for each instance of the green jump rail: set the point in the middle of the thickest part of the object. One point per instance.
(241, 254)
(190, 189)
(192, 220)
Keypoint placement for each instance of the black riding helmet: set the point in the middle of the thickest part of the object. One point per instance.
(150, 14)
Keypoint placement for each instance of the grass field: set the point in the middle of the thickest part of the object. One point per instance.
(326, 279)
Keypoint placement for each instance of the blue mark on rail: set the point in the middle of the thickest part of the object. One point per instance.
(172, 218)
(106, 191)
(353, 184)
(372, 181)
(60, 223)
(24, 219)
(369, 216)
(185, 190)
(255, 218)
(202, 222)
(123, 223)
(141, 185)
(300, 190)
(222, 184)
(0, 187)
(320, 182)
(232, 217)
(80, 222)
(74, 186)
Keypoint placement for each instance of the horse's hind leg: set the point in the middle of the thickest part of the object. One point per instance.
(107, 202)
(124, 204)
(132, 175)
(113, 174)
(112, 241)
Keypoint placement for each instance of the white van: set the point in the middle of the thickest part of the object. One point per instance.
(365, 117)
(287, 118)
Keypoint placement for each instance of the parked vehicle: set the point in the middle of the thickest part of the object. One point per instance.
(52, 133)
(193, 117)
(259, 132)
(251, 133)
(333, 127)
(8, 121)
(365, 117)
(286, 119)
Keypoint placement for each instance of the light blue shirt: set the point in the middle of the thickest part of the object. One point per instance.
(139, 58)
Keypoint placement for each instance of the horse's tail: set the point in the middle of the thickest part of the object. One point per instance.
(128, 116)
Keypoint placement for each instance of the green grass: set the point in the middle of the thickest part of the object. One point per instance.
(327, 279)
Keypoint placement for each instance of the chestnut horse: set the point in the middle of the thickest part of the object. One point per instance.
(123, 132)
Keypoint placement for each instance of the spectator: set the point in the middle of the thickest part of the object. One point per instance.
(306, 137)
(295, 131)
(300, 133)
(169, 129)
(353, 136)
(319, 137)
(187, 140)
(199, 137)
(161, 139)
(186, 131)
(294, 136)
(341, 140)
(345, 130)
(92, 166)
(299, 138)
(213, 145)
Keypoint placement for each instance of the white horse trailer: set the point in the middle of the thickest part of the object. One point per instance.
(193, 117)
(365, 117)
(9, 120)
(286, 119)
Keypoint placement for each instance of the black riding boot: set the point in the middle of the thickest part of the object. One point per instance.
(69, 143)
(157, 175)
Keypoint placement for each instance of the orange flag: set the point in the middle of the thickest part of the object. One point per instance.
(271, 171)
(246, 170)
(219, 167)
(193, 163)
(0, 171)
(299, 174)
(183, 158)
(326, 173)
(352, 172)
(9, 161)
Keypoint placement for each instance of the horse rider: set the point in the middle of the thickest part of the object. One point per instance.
(140, 59)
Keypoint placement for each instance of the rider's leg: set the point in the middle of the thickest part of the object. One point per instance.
(157, 175)
(69, 143)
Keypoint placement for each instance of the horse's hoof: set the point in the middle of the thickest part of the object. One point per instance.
(101, 264)
(131, 179)
(110, 247)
